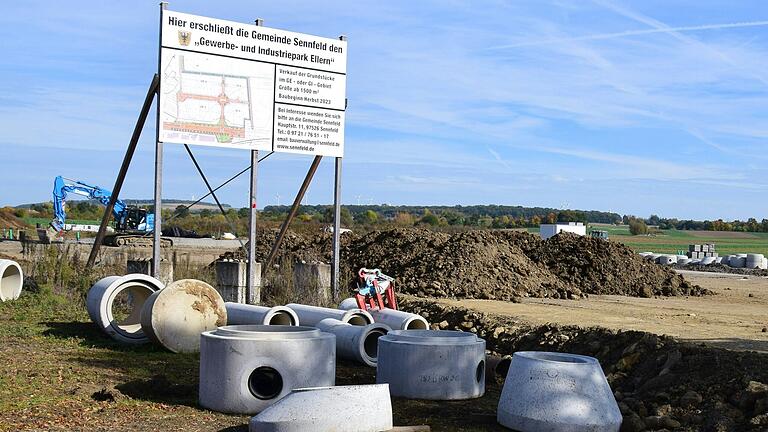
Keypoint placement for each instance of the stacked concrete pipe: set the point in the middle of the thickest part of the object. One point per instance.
(395, 319)
(546, 391)
(754, 261)
(312, 315)
(355, 408)
(175, 316)
(356, 343)
(432, 364)
(11, 280)
(100, 302)
(240, 314)
(246, 368)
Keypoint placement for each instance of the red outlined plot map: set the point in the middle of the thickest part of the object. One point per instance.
(210, 100)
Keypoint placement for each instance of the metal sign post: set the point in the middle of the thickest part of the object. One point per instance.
(158, 164)
(337, 218)
(253, 293)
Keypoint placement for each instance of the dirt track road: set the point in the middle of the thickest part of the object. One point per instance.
(731, 319)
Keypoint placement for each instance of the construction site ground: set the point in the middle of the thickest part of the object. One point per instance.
(733, 318)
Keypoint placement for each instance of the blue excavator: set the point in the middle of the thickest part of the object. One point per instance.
(132, 223)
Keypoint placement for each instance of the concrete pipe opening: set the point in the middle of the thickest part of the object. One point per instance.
(371, 343)
(416, 324)
(114, 304)
(480, 371)
(357, 320)
(11, 280)
(265, 383)
(125, 307)
(282, 318)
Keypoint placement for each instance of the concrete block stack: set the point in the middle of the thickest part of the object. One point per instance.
(701, 251)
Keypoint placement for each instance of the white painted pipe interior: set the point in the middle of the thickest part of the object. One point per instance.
(11, 280)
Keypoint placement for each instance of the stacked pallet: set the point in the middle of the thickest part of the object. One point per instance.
(701, 251)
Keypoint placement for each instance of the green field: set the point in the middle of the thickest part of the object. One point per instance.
(671, 241)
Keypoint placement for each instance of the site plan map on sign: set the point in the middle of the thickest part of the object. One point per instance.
(216, 101)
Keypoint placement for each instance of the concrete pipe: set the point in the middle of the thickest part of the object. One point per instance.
(684, 261)
(355, 408)
(496, 367)
(246, 368)
(547, 391)
(707, 260)
(718, 260)
(100, 304)
(239, 313)
(11, 280)
(764, 264)
(666, 259)
(357, 343)
(175, 316)
(737, 262)
(681, 257)
(754, 260)
(311, 315)
(432, 364)
(653, 257)
(397, 320)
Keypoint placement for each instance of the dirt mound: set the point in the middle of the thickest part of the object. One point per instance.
(504, 265)
(483, 264)
(9, 220)
(473, 264)
(600, 267)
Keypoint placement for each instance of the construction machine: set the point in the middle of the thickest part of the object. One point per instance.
(375, 290)
(132, 224)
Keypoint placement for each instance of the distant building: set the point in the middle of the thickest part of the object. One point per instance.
(548, 230)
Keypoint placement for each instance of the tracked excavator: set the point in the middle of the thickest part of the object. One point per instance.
(132, 223)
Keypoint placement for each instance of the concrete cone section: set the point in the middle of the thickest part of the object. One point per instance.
(557, 392)
(241, 314)
(175, 316)
(356, 343)
(432, 364)
(11, 280)
(246, 368)
(356, 408)
(395, 319)
(311, 315)
(103, 296)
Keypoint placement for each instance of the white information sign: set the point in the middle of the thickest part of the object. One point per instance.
(228, 84)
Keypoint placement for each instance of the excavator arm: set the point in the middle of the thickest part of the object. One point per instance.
(62, 187)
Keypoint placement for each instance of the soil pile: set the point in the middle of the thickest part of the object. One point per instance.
(600, 267)
(473, 264)
(504, 264)
(484, 264)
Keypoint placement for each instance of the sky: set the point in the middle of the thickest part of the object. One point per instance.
(637, 107)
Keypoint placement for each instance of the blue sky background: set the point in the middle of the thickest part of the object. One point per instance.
(634, 107)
